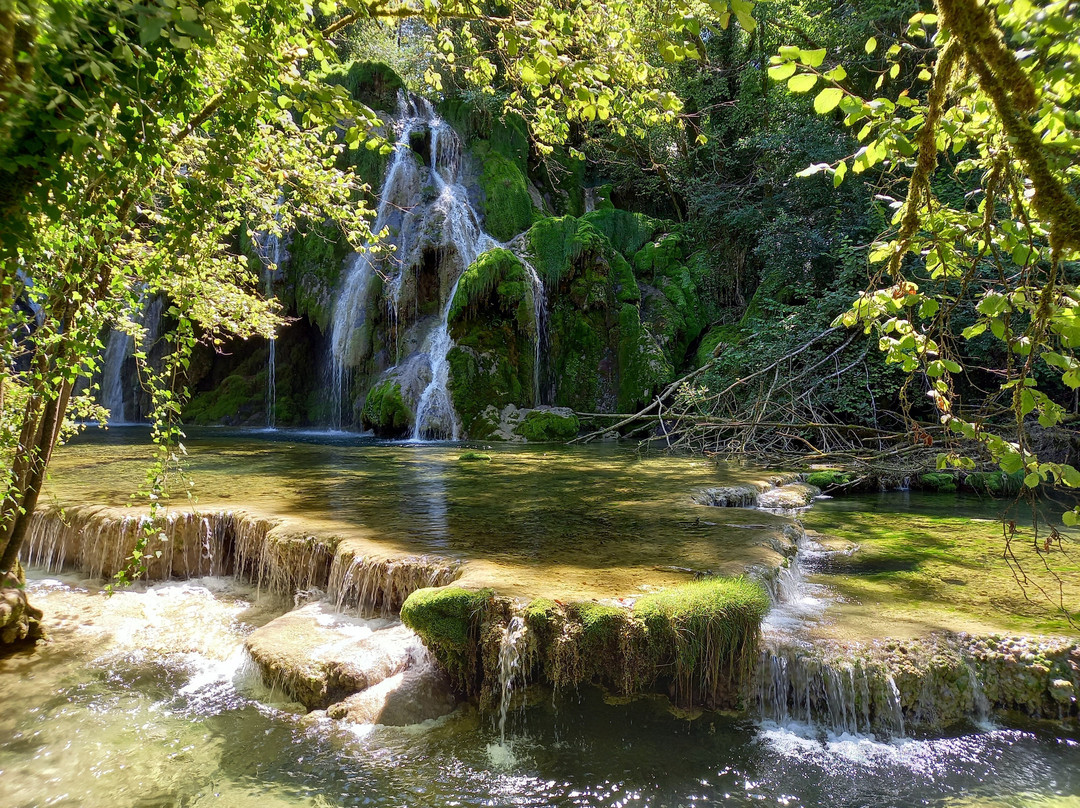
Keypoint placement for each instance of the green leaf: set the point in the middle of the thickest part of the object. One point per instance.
(871, 44)
(813, 58)
(827, 100)
(782, 72)
(1032, 480)
(839, 174)
(802, 83)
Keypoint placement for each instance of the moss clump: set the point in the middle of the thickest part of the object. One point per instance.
(474, 456)
(714, 342)
(600, 625)
(828, 478)
(494, 331)
(385, 410)
(447, 620)
(940, 482)
(547, 426)
(995, 483)
(237, 398)
(316, 256)
(507, 206)
(372, 83)
(708, 630)
(562, 244)
(628, 232)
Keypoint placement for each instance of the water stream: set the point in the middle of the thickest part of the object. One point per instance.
(148, 698)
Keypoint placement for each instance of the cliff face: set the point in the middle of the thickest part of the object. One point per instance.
(499, 295)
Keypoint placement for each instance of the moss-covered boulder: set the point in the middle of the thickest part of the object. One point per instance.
(829, 478)
(386, 411)
(995, 483)
(548, 425)
(506, 204)
(492, 322)
(938, 482)
(448, 620)
(707, 632)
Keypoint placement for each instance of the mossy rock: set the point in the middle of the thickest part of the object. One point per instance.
(474, 456)
(316, 257)
(714, 341)
(995, 483)
(385, 410)
(939, 482)
(548, 426)
(493, 324)
(448, 620)
(236, 399)
(660, 256)
(507, 206)
(829, 478)
(562, 244)
(374, 84)
(627, 232)
(643, 366)
(601, 624)
(708, 632)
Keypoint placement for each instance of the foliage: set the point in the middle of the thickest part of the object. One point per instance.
(991, 101)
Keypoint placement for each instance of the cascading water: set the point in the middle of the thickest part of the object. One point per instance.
(116, 383)
(273, 254)
(511, 671)
(398, 192)
(434, 235)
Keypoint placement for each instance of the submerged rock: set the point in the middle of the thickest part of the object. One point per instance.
(419, 694)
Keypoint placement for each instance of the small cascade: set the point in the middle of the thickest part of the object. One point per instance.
(539, 301)
(381, 585)
(98, 541)
(462, 232)
(511, 670)
(116, 384)
(271, 249)
(398, 192)
(795, 685)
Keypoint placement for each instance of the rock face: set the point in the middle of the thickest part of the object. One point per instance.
(368, 670)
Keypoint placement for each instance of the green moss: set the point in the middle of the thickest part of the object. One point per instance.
(562, 245)
(941, 482)
(602, 197)
(385, 410)
(448, 620)
(545, 426)
(828, 478)
(236, 398)
(995, 483)
(372, 83)
(471, 456)
(708, 630)
(316, 256)
(720, 335)
(627, 232)
(600, 624)
(507, 206)
(626, 287)
(642, 364)
(492, 323)
(660, 256)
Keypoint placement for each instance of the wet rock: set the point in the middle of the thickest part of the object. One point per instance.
(318, 657)
(419, 694)
(729, 496)
(517, 425)
(1062, 691)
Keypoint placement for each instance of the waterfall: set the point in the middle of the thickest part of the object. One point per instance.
(273, 255)
(118, 348)
(511, 670)
(539, 301)
(434, 234)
